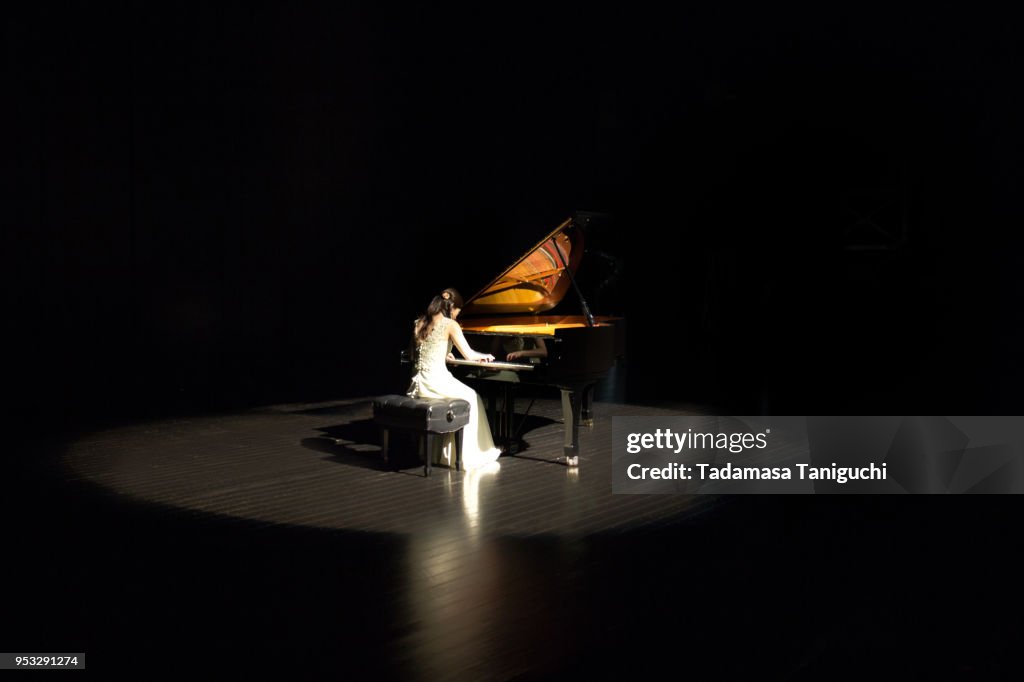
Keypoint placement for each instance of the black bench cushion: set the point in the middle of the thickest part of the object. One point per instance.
(421, 414)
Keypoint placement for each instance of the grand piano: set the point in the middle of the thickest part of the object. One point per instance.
(514, 309)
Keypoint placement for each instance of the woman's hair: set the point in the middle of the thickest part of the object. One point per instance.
(443, 303)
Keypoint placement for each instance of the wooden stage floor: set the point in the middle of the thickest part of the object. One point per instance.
(319, 466)
(275, 540)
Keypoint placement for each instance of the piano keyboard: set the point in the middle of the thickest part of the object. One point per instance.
(495, 364)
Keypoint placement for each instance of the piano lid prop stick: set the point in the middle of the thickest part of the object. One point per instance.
(583, 302)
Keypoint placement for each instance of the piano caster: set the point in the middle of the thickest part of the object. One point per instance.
(572, 461)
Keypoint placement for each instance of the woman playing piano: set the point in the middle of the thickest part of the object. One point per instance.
(434, 334)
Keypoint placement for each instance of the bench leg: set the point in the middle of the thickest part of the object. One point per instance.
(458, 450)
(427, 456)
(384, 445)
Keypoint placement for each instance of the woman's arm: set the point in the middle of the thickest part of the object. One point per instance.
(459, 339)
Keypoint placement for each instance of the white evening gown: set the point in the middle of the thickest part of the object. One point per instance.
(434, 380)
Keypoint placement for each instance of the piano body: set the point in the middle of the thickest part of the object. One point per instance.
(514, 307)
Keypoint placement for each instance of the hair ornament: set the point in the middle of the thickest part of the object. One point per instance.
(446, 296)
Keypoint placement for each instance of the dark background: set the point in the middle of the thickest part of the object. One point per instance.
(215, 206)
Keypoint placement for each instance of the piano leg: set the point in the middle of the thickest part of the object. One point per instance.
(587, 412)
(572, 400)
(500, 412)
(492, 412)
(509, 410)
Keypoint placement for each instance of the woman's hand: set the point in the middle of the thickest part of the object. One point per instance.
(451, 356)
(514, 355)
(484, 357)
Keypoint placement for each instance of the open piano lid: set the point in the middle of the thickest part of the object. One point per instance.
(537, 281)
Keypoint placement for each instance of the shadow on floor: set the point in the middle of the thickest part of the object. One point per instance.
(357, 443)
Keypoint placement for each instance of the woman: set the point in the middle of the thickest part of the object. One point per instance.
(434, 334)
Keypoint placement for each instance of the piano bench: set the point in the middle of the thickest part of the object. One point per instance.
(425, 417)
